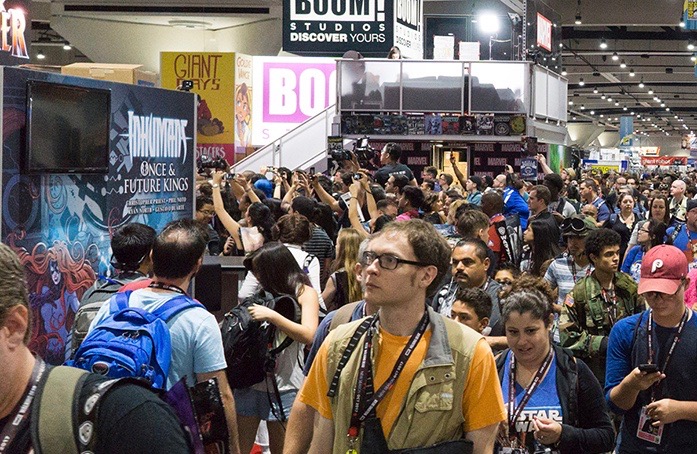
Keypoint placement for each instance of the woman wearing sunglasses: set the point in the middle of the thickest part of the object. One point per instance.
(650, 234)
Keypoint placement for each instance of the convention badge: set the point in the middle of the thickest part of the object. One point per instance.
(569, 300)
(646, 430)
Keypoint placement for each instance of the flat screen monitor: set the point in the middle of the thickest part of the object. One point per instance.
(67, 128)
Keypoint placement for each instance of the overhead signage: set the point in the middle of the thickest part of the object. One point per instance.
(290, 90)
(332, 27)
(544, 32)
(663, 160)
(14, 31)
(408, 28)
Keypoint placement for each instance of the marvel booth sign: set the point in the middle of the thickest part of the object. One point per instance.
(371, 27)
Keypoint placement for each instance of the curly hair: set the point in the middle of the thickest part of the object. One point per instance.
(599, 239)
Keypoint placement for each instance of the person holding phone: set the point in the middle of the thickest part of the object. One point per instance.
(651, 361)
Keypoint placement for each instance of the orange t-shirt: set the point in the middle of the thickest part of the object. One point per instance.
(482, 401)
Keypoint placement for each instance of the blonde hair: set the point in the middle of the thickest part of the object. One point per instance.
(348, 242)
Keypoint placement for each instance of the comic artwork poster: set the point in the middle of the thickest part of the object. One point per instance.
(212, 75)
(243, 106)
(60, 225)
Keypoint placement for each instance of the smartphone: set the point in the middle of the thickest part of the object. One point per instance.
(650, 368)
(312, 170)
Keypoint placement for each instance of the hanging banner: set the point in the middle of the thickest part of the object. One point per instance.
(663, 160)
(324, 27)
(15, 31)
(243, 106)
(690, 14)
(408, 28)
(213, 77)
(291, 90)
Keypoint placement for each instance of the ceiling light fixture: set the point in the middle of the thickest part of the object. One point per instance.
(583, 107)
(615, 57)
(632, 73)
(571, 103)
(581, 82)
(563, 71)
(641, 84)
(592, 112)
(617, 103)
(603, 96)
(40, 55)
(67, 46)
(577, 20)
(650, 91)
(690, 45)
(623, 64)
(595, 90)
(603, 44)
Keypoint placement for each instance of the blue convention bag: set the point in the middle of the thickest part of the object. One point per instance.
(132, 342)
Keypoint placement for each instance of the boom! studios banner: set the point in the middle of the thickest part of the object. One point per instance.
(60, 225)
(332, 27)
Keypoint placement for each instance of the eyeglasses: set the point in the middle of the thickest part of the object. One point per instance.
(573, 224)
(386, 261)
(207, 212)
(663, 296)
(504, 282)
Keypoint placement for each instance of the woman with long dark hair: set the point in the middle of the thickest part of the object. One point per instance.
(278, 273)
(658, 210)
(258, 220)
(541, 251)
(623, 222)
(650, 234)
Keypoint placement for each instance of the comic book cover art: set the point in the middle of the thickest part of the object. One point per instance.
(433, 124)
(415, 125)
(502, 126)
(451, 124)
(468, 124)
(485, 125)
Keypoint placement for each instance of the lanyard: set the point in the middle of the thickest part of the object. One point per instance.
(22, 411)
(573, 268)
(612, 303)
(669, 355)
(366, 399)
(171, 288)
(514, 413)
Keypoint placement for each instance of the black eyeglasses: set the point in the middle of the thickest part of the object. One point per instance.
(573, 224)
(386, 261)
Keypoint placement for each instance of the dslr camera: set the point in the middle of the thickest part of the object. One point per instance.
(204, 164)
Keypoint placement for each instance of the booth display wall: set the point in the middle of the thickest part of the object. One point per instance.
(60, 224)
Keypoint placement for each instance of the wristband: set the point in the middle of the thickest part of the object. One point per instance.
(215, 186)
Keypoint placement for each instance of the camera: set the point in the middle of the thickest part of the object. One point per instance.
(340, 154)
(186, 85)
(204, 163)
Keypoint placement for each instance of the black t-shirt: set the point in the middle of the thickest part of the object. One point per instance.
(131, 419)
(384, 173)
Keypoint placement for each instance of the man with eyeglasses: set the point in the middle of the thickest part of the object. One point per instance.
(651, 362)
(204, 215)
(420, 361)
(597, 302)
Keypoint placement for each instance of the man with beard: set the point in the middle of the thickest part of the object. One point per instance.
(469, 263)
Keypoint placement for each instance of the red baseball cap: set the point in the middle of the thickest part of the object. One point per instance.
(662, 270)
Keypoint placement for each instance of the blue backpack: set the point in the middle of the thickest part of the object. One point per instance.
(132, 342)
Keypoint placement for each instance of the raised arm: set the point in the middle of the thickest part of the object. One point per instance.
(324, 196)
(543, 164)
(248, 189)
(353, 210)
(228, 222)
(370, 200)
(458, 174)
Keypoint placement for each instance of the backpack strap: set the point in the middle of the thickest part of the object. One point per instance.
(676, 232)
(174, 306)
(343, 315)
(55, 426)
(308, 260)
(119, 302)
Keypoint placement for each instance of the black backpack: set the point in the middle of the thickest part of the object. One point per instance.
(248, 343)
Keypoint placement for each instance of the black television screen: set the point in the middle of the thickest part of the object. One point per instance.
(67, 128)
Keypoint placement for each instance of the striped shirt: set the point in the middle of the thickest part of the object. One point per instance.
(321, 246)
(559, 275)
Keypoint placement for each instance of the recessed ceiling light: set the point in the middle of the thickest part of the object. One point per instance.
(182, 23)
